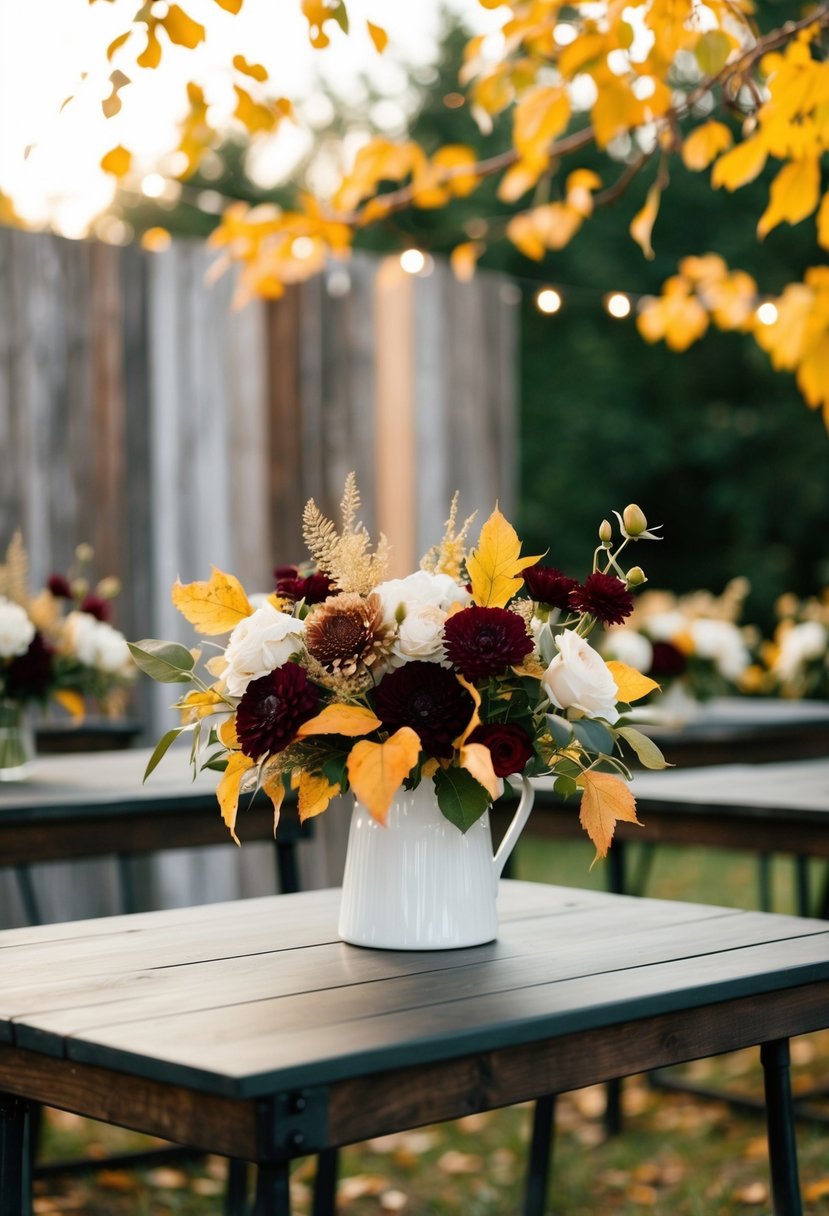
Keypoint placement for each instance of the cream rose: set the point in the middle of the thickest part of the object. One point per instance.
(722, 643)
(260, 643)
(400, 596)
(579, 678)
(16, 630)
(804, 642)
(420, 635)
(97, 644)
(629, 646)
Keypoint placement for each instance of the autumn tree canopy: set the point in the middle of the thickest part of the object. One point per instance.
(642, 83)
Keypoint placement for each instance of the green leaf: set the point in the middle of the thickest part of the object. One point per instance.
(593, 736)
(462, 800)
(161, 748)
(712, 52)
(645, 748)
(167, 662)
(560, 729)
(340, 15)
(565, 787)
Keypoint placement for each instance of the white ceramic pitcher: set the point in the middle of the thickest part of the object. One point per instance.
(418, 882)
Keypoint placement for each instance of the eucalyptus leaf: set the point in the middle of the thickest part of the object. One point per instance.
(645, 748)
(462, 799)
(546, 643)
(161, 748)
(593, 735)
(560, 729)
(167, 662)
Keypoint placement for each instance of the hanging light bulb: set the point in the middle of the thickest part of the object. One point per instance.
(412, 260)
(618, 305)
(548, 300)
(766, 314)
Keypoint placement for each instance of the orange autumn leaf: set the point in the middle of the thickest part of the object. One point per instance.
(181, 28)
(793, 195)
(215, 606)
(229, 788)
(494, 568)
(199, 704)
(630, 683)
(274, 787)
(475, 721)
(641, 226)
(117, 161)
(315, 792)
(476, 758)
(377, 770)
(227, 734)
(464, 258)
(741, 165)
(705, 144)
(350, 720)
(606, 800)
(378, 36)
(72, 702)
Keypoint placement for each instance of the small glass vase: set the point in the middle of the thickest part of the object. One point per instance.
(16, 741)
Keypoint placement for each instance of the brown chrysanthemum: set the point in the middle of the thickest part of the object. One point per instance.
(605, 597)
(347, 632)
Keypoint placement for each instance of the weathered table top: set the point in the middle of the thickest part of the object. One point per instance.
(251, 1030)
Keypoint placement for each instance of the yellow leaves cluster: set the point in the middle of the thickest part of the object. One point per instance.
(704, 289)
(553, 225)
(434, 181)
(799, 339)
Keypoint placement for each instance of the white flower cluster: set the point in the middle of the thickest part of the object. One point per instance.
(16, 630)
(97, 644)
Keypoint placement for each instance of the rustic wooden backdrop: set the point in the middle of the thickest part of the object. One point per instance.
(141, 412)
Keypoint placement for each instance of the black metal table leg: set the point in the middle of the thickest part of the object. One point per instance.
(785, 1183)
(541, 1155)
(802, 887)
(286, 867)
(325, 1184)
(273, 1190)
(236, 1193)
(12, 1153)
(764, 895)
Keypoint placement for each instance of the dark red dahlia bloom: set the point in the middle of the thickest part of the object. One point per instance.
(313, 588)
(549, 586)
(58, 584)
(668, 660)
(605, 597)
(429, 699)
(483, 642)
(30, 675)
(509, 746)
(272, 708)
(96, 606)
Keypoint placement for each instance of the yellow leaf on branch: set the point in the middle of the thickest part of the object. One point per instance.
(377, 770)
(117, 161)
(606, 801)
(676, 317)
(199, 704)
(181, 28)
(274, 787)
(315, 792)
(464, 259)
(641, 226)
(215, 606)
(256, 71)
(741, 165)
(229, 789)
(494, 568)
(630, 683)
(705, 144)
(794, 194)
(378, 36)
(349, 720)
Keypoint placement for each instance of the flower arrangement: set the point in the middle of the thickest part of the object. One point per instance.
(58, 642)
(795, 660)
(692, 642)
(469, 670)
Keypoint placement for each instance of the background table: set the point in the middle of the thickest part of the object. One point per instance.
(249, 1029)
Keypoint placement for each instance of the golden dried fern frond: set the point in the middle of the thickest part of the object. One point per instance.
(346, 556)
(14, 574)
(449, 556)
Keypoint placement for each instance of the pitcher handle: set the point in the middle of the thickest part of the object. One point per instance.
(515, 828)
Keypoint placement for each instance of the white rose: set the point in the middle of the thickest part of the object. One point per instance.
(665, 626)
(261, 642)
(420, 635)
(16, 630)
(579, 678)
(631, 647)
(400, 596)
(97, 644)
(722, 643)
(800, 644)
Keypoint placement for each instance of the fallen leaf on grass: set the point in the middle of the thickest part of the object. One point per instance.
(116, 1180)
(752, 1194)
(757, 1148)
(644, 1196)
(359, 1185)
(816, 1190)
(454, 1162)
(208, 1187)
(393, 1201)
(168, 1180)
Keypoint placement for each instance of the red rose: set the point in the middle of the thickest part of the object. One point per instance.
(509, 746)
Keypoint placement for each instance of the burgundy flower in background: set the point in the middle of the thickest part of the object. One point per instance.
(96, 606)
(58, 584)
(509, 746)
(30, 675)
(603, 596)
(549, 586)
(313, 588)
(272, 708)
(483, 642)
(668, 660)
(429, 699)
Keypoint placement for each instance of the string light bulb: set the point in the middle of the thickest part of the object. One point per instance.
(618, 305)
(766, 314)
(548, 300)
(413, 261)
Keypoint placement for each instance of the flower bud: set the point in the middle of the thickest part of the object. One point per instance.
(636, 576)
(634, 521)
(109, 587)
(80, 586)
(84, 552)
(605, 532)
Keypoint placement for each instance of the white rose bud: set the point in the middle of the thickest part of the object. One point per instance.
(579, 678)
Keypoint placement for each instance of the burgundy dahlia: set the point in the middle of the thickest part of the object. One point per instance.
(313, 588)
(30, 675)
(509, 746)
(603, 596)
(272, 708)
(668, 660)
(483, 642)
(96, 606)
(549, 586)
(58, 584)
(429, 699)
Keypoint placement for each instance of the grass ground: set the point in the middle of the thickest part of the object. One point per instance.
(678, 1155)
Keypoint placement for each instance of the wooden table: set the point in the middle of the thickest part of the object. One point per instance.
(250, 1030)
(94, 805)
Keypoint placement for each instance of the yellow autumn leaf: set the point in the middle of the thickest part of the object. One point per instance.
(378, 36)
(475, 720)
(350, 720)
(117, 161)
(181, 28)
(230, 6)
(704, 144)
(812, 376)
(741, 165)
(520, 178)
(274, 787)
(539, 118)
(150, 57)
(783, 340)
(630, 683)
(227, 734)
(199, 704)
(116, 43)
(464, 258)
(72, 702)
(252, 114)
(256, 71)
(823, 222)
(229, 788)
(494, 568)
(793, 195)
(606, 800)
(377, 770)
(523, 233)
(476, 758)
(216, 606)
(677, 317)
(315, 793)
(641, 226)
(450, 161)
